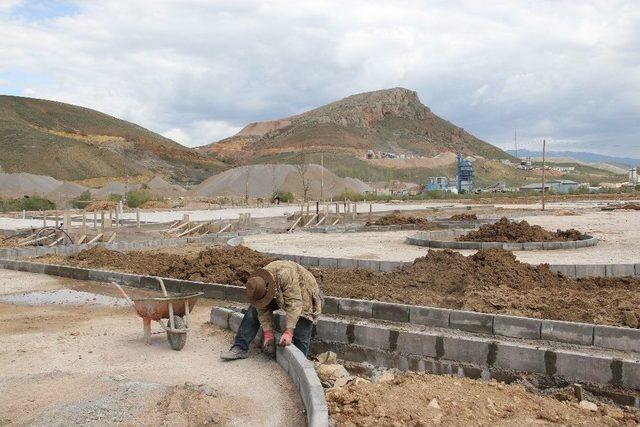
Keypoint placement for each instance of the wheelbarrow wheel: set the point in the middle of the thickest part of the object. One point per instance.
(177, 340)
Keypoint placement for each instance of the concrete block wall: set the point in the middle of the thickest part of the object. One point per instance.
(445, 239)
(409, 350)
(294, 363)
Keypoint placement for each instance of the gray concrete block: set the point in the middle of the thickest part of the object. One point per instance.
(520, 357)
(625, 339)
(619, 270)
(553, 245)
(220, 317)
(328, 262)
(103, 276)
(569, 332)
(369, 264)
(568, 270)
(331, 305)
(390, 311)
(371, 336)
(429, 316)
(517, 327)
(215, 291)
(631, 374)
(309, 261)
(588, 270)
(471, 321)
(469, 350)
(637, 268)
(418, 343)
(331, 330)
(491, 245)
(583, 367)
(436, 244)
(355, 307)
(532, 246)
(130, 279)
(235, 293)
(390, 265)
(234, 321)
(582, 243)
(512, 246)
(347, 263)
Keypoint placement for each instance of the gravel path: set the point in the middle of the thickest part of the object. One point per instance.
(619, 232)
(87, 364)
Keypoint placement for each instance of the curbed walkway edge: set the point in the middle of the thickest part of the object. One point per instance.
(294, 363)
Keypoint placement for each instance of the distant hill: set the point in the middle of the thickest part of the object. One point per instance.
(391, 120)
(69, 142)
(581, 156)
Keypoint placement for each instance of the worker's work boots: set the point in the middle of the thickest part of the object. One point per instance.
(234, 353)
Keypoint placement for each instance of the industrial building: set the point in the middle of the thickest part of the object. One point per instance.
(464, 175)
(556, 185)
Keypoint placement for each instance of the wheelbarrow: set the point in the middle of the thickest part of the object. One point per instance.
(174, 308)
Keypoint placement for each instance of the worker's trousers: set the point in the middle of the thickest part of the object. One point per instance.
(251, 324)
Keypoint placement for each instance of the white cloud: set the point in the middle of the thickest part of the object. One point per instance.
(199, 70)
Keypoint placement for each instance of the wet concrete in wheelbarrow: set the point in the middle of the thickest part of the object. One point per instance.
(73, 360)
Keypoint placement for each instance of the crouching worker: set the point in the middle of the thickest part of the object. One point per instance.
(279, 285)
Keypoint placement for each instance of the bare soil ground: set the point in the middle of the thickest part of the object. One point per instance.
(87, 364)
(464, 217)
(490, 281)
(424, 400)
(505, 230)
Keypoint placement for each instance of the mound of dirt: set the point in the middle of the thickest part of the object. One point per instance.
(463, 217)
(215, 265)
(518, 232)
(623, 206)
(413, 399)
(492, 281)
(100, 205)
(8, 242)
(155, 204)
(397, 219)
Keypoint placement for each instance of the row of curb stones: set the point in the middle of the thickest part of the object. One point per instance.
(432, 239)
(294, 363)
(611, 337)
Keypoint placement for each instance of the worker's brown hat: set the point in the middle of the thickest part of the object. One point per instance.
(261, 288)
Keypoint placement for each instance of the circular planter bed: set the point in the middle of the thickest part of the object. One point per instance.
(446, 239)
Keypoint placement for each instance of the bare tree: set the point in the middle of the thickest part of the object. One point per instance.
(302, 168)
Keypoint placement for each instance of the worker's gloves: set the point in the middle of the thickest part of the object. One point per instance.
(267, 338)
(286, 337)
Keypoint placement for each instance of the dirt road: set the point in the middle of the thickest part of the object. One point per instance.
(86, 363)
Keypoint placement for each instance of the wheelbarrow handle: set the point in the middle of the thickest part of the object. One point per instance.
(124, 294)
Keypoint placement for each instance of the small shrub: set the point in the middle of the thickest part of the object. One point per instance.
(285, 196)
(82, 200)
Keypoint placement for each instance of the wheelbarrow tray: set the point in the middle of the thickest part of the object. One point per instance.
(157, 308)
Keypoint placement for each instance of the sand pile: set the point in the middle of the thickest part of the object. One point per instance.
(67, 190)
(113, 188)
(413, 399)
(158, 186)
(263, 180)
(518, 232)
(14, 185)
(397, 219)
(463, 217)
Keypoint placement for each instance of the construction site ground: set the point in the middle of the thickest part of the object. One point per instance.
(491, 281)
(618, 231)
(73, 354)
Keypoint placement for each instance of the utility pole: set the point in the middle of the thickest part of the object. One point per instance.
(544, 146)
(322, 177)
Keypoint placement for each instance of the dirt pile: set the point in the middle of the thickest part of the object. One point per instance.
(623, 206)
(8, 242)
(100, 205)
(397, 219)
(492, 281)
(423, 399)
(463, 217)
(518, 232)
(215, 265)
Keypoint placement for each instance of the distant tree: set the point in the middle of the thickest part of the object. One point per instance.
(302, 168)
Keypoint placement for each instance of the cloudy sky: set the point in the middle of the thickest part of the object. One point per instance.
(198, 70)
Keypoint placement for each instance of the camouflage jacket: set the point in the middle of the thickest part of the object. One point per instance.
(297, 293)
